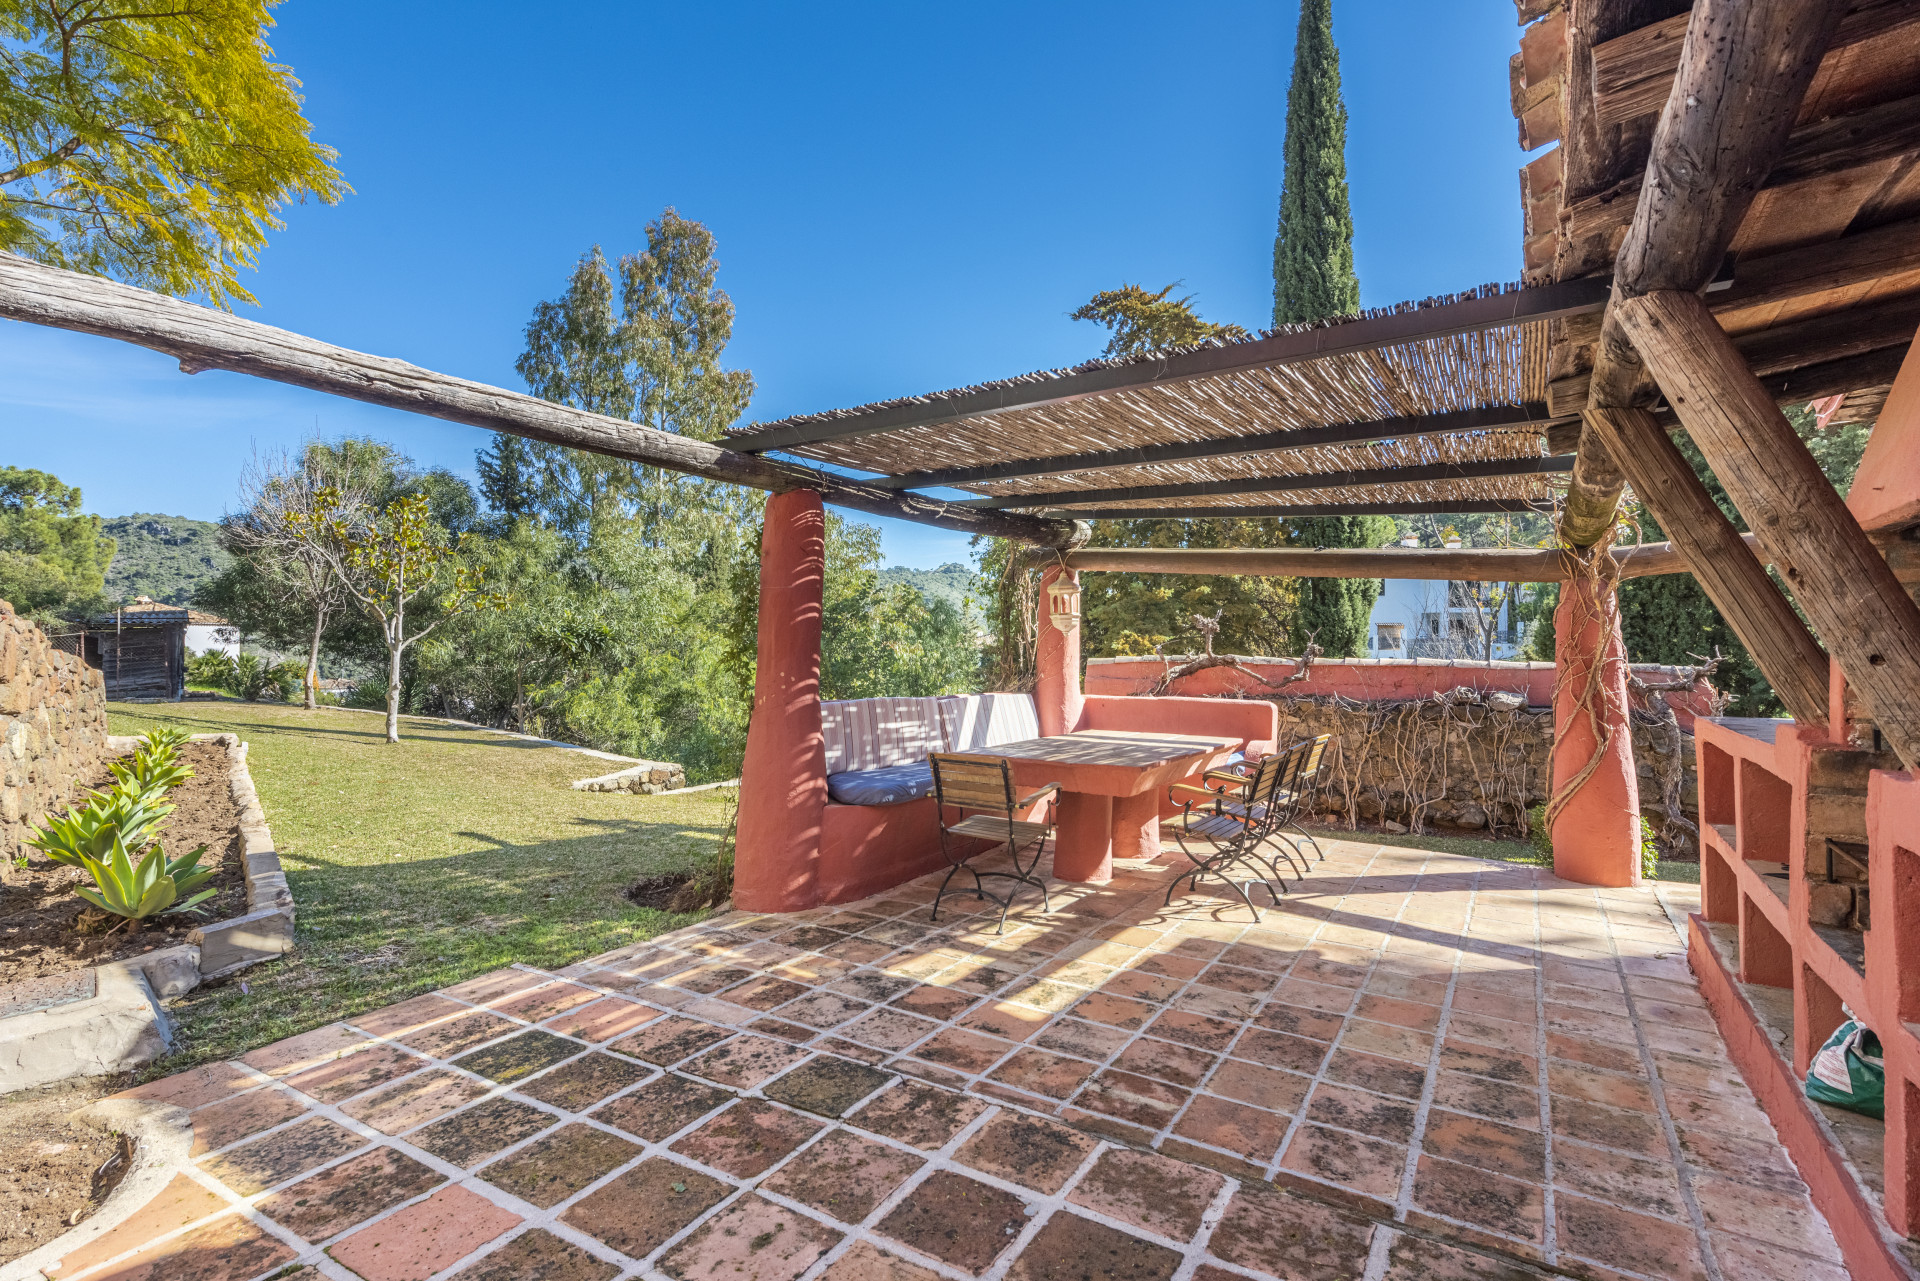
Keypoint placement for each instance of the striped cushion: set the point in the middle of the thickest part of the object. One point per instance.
(873, 733)
(973, 722)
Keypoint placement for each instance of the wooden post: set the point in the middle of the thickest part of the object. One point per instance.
(1733, 577)
(1870, 624)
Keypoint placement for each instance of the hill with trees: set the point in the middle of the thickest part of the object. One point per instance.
(165, 557)
(954, 583)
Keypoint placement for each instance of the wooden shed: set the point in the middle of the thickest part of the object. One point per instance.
(141, 651)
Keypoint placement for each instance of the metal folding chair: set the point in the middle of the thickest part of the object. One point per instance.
(984, 784)
(1239, 817)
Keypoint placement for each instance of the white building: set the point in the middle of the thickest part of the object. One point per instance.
(1425, 618)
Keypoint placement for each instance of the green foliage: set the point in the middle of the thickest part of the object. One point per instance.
(91, 830)
(1141, 321)
(166, 557)
(1131, 613)
(155, 144)
(52, 558)
(1649, 851)
(952, 582)
(1538, 833)
(1313, 275)
(150, 888)
(148, 773)
(1333, 612)
(248, 676)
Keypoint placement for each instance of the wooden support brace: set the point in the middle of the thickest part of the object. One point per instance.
(1726, 567)
(1870, 624)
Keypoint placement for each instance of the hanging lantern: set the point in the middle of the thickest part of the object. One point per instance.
(1063, 604)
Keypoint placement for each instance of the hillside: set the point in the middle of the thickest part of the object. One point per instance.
(952, 582)
(165, 557)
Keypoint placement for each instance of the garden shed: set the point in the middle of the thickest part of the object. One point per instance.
(141, 651)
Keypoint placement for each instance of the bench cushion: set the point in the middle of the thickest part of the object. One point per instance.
(971, 722)
(889, 785)
(874, 733)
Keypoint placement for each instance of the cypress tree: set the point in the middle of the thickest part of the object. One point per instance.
(1313, 279)
(1313, 252)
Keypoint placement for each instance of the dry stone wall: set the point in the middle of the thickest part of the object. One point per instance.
(53, 729)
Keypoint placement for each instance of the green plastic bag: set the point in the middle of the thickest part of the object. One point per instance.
(1849, 1072)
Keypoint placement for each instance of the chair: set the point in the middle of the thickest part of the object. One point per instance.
(1305, 788)
(1241, 815)
(984, 784)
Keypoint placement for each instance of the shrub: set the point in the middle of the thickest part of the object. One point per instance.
(249, 676)
(213, 669)
(150, 888)
(91, 830)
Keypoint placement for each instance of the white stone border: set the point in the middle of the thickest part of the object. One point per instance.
(121, 1025)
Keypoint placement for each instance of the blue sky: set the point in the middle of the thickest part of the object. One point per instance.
(906, 197)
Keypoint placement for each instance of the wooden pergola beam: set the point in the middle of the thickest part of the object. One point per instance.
(1448, 507)
(1463, 564)
(1870, 624)
(1472, 315)
(1425, 473)
(1485, 419)
(201, 338)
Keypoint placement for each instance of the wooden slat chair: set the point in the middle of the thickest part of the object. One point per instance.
(984, 784)
(1238, 817)
(1296, 798)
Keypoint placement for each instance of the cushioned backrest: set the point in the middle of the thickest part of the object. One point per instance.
(872, 733)
(972, 722)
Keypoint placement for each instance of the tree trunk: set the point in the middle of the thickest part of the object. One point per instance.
(313, 657)
(393, 693)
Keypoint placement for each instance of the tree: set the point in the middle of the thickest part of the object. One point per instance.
(286, 549)
(1313, 275)
(1334, 611)
(52, 558)
(507, 477)
(390, 561)
(151, 143)
(1141, 321)
(656, 360)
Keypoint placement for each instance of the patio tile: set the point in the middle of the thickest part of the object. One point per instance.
(797, 1033)
(844, 1175)
(396, 1021)
(745, 1061)
(827, 1086)
(444, 1040)
(585, 1081)
(1026, 1150)
(960, 1221)
(494, 986)
(1250, 1131)
(182, 1201)
(355, 1073)
(1614, 1090)
(418, 1099)
(1481, 1060)
(420, 1240)
(923, 1116)
(1093, 1041)
(1377, 1116)
(1115, 1011)
(1779, 1218)
(1072, 1248)
(1506, 1206)
(637, 1211)
(662, 1107)
(215, 1125)
(1139, 985)
(936, 1003)
(668, 1040)
(309, 1049)
(964, 1051)
(196, 1087)
(227, 1249)
(1635, 1132)
(1744, 1260)
(1286, 1236)
(521, 1056)
(1263, 1087)
(1624, 1180)
(1418, 1258)
(603, 1020)
(1201, 1030)
(340, 1196)
(1006, 1020)
(1620, 1238)
(748, 1139)
(1502, 1149)
(889, 1029)
(751, 1240)
(1388, 1041)
(1159, 1195)
(543, 1003)
(274, 1158)
(551, 1169)
(467, 1138)
(822, 1009)
(1042, 1072)
(1380, 1075)
(1369, 1166)
(1497, 1100)
(1180, 1064)
(1281, 1050)
(866, 1261)
(538, 1255)
(1299, 1021)
(1138, 1099)
(1742, 1160)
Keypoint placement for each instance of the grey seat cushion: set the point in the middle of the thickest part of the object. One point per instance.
(891, 785)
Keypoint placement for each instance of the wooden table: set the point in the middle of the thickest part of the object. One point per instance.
(1111, 782)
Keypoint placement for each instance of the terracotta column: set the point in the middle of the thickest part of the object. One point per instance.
(783, 784)
(1057, 695)
(1596, 838)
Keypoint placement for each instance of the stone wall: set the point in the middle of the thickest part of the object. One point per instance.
(1464, 761)
(53, 729)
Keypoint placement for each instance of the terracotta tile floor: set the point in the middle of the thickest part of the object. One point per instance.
(1419, 1065)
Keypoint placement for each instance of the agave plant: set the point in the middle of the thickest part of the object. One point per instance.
(148, 774)
(151, 887)
(167, 738)
(91, 830)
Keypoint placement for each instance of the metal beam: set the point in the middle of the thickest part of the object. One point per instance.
(1459, 507)
(1492, 467)
(1533, 414)
(1545, 302)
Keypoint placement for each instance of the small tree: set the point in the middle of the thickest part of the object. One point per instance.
(390, 561)
(1141, 321)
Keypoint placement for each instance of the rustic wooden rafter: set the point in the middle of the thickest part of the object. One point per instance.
(1462, 564)
(1425, 473)
(1265, 511)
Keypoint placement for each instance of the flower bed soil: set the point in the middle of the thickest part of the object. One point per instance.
(39, 910)
(53, 1172)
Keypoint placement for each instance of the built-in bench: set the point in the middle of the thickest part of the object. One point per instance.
(877, 748)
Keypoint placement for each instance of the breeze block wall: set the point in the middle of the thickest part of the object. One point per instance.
(53, 729)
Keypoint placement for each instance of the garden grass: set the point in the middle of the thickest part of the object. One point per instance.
(417, 865)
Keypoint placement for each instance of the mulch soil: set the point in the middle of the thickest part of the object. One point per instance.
(53, 1172)
(39, 910)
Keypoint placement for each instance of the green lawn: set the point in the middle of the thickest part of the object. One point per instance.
(418, 865)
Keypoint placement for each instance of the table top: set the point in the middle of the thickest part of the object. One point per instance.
(1122, 749)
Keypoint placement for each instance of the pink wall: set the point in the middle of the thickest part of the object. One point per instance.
(1366, 679)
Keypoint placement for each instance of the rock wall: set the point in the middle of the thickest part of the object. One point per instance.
(53, 729)
(1463, 761)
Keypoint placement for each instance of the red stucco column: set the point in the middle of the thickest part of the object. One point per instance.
(783, 784)
(1596, 838)
(1057, 695)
